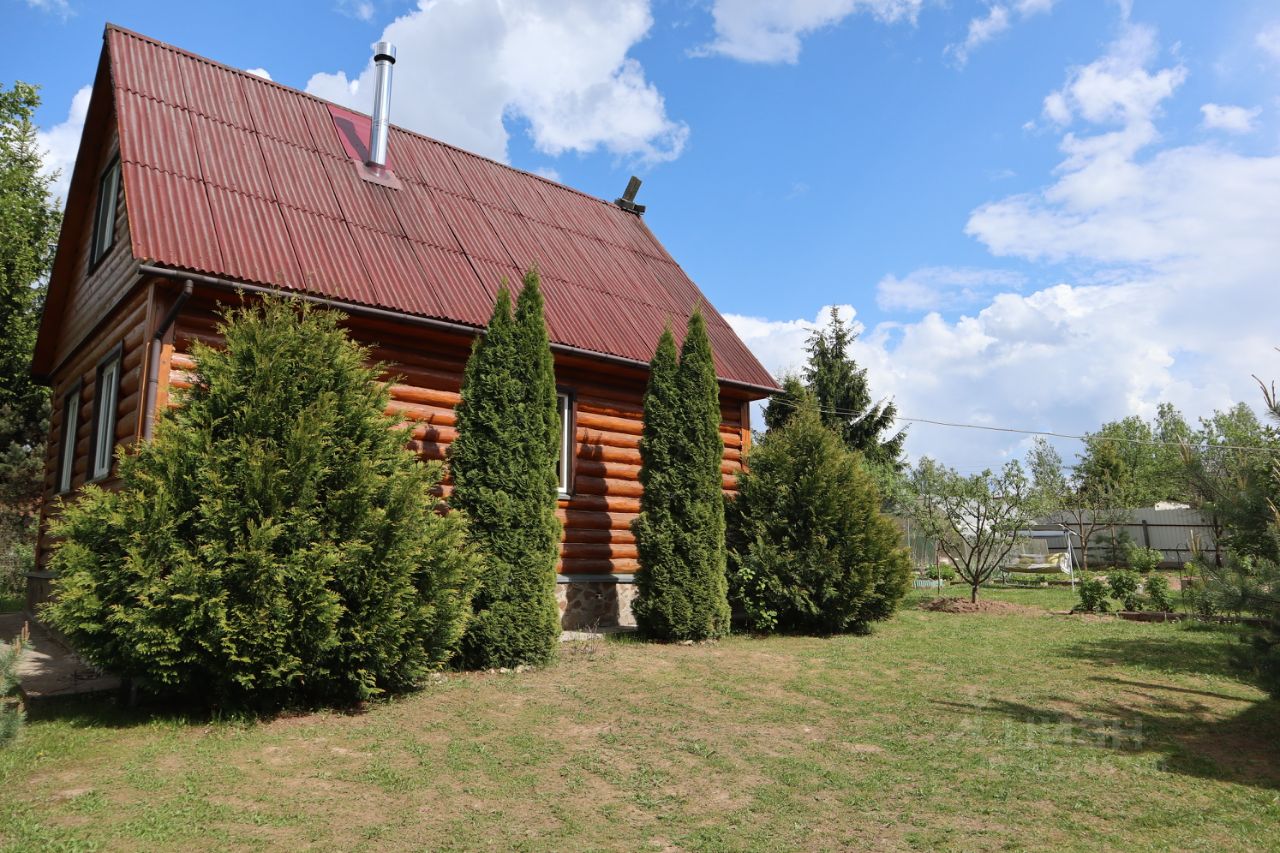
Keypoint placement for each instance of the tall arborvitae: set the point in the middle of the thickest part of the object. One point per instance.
(683, 591)
(504, 471)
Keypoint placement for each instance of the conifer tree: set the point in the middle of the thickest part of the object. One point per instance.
(275, 544)
(504, 471)
(843, 395)
(682, 587)
(809, 549)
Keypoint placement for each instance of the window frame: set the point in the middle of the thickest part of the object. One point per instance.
(67, 436)
(100, 469)
(567, 410)
(105, 207)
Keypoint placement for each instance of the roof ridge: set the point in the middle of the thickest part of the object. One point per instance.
(293, 91)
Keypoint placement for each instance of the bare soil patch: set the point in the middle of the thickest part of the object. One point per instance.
(960, 605)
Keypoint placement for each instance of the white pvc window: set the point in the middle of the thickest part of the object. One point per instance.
(70, 425)
(104, 217)
(104, 415)
(564, 461)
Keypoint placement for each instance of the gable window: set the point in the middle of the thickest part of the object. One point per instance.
(105, 397)
(104, 217)
(564, 460)
(67, 447)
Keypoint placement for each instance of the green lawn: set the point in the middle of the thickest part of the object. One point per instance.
(1012, 731)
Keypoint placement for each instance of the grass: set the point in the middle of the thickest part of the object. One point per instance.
(10, 603)
(1013, 731)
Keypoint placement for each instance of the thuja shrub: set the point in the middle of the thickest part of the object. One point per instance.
(12, 713)
(682, 590)
(504, 471)
(809, 549)
(277, 542)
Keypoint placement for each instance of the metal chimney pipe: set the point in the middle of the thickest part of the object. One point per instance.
(384, 56)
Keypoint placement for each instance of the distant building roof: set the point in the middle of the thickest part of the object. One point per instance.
(231, 175)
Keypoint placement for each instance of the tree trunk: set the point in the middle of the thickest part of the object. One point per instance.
(973, 594)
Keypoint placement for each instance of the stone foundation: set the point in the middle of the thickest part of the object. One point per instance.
(596, 602)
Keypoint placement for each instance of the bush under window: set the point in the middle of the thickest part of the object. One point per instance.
(276, 543)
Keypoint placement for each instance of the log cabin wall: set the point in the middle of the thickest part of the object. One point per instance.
(125, 327)
(598, 552)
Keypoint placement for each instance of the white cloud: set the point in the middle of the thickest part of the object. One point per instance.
(58, 8)
(1117, 88)
(1177, 253)
(549, 173)
(768, 31)
(1229, 118)
(981, 31)
(942, 288)
(562, 67)
(61, 142)
(260, 72)
(361, 10)
(1269, 41)
(999, 18)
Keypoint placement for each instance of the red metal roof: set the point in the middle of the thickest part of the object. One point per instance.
(235, 176)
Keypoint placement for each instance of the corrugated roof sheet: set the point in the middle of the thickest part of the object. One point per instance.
(232, 175)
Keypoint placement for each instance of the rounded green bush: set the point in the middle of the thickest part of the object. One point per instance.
(1093, 596)
(1157, 589)
(276, 543)
(809, 549)
(1124, 588)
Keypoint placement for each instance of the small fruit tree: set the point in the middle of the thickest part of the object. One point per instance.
(975, 519)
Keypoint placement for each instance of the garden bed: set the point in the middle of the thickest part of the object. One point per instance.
(1172, 616)
(964, 605)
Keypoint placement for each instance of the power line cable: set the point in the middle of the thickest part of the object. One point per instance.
(1048, 433)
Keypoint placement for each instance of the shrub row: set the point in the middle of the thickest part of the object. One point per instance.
(1129, 589)
(277, 543)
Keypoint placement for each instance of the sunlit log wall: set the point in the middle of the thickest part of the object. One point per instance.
(425, 369)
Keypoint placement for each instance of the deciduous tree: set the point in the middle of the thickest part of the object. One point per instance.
(29, 223)
(975, 519)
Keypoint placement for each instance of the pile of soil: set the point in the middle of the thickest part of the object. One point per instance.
(963, 605)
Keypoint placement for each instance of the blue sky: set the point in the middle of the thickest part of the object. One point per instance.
(1042, 213)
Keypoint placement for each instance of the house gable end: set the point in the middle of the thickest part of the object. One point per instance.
(82, 289)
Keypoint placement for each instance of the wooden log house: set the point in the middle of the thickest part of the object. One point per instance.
(196, 183)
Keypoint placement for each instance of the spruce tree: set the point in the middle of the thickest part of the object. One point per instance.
(843, 395)
(682, 587)
(504, 471)
(276, 543)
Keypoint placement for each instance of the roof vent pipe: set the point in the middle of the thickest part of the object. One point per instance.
(384, 56)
